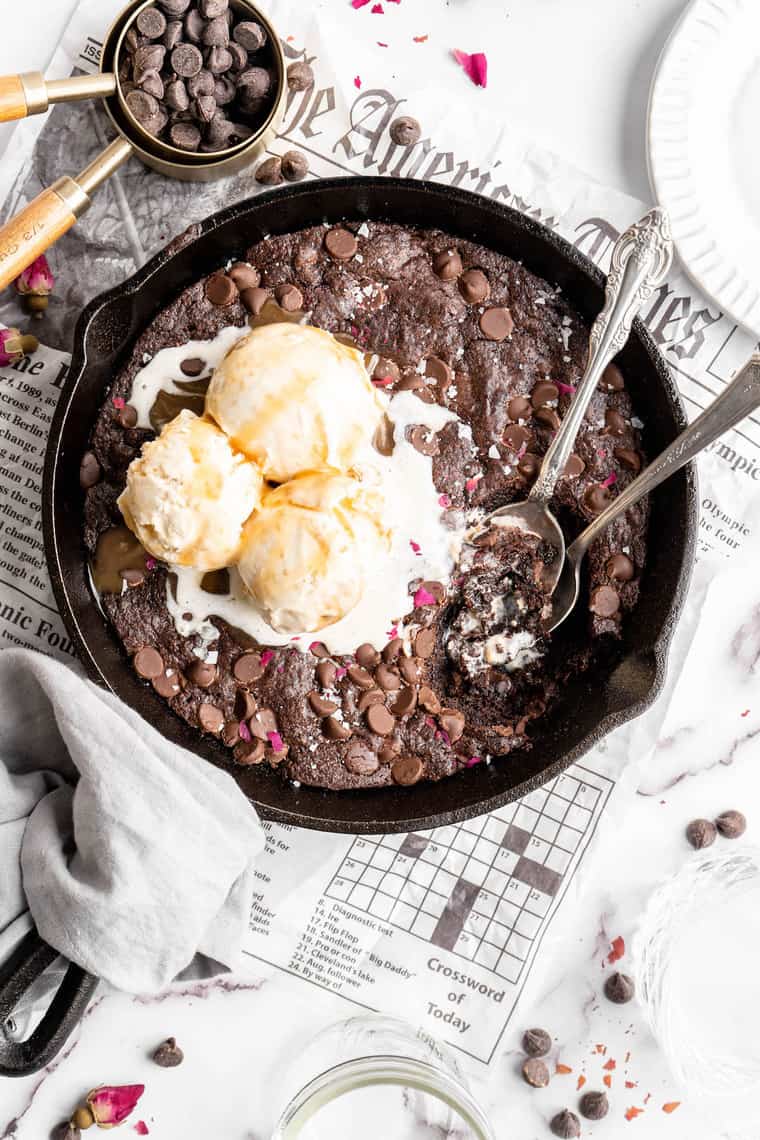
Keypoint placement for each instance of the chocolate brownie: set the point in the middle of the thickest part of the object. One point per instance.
(477, 333)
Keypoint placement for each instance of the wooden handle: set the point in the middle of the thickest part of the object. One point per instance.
(12, 98)
(31, 232)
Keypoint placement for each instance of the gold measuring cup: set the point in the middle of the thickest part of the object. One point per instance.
(56, 209)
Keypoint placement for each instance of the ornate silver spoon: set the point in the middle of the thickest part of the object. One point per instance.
(641, 259)
(735, 402)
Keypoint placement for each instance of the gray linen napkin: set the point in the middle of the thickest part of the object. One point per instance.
(133, 856)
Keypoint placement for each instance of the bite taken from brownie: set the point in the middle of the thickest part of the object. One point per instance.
(285, 491)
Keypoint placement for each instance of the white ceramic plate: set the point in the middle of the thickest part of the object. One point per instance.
(704, 149)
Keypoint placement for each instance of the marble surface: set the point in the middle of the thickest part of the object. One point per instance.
(241, 1033)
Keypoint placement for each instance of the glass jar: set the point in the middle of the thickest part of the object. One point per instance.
(382, 1074)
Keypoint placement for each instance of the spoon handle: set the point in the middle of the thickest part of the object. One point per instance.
(641, 259)
(735, 402)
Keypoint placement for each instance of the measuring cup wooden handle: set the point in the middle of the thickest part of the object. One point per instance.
(32, 94)
(39, 224)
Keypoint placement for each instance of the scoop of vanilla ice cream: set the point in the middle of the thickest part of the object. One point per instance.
(307, 552)
(294, 399)
(189, 493)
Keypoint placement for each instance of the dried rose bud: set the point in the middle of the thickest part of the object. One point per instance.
(82, 1118)
(111, 1104)
(37, 279)
(14, 345)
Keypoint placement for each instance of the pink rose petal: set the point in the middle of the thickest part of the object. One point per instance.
(266, 656)
(471, 484)
(444, 501)
(315, 645)
(244, 731)
(415, 546)
(341, 671)
(141, 1128)
(611, 480)
(565, 389)
(150, 564)
(112, 1104)
(430, 722)
(420, 39)
(118, 401)
(444, 736)
(475, 65)
(377, 10)
(382, 381)
(423, 597)
(359, 3)
(381, 45)
(392, 633)
(357, 82)
(275, 740)
(473, 761)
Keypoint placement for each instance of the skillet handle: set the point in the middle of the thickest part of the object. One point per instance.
(25, 966)
(32, 94)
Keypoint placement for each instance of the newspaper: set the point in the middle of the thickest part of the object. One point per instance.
(444, 927)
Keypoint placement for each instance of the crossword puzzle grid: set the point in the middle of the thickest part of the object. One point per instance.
(481, 889)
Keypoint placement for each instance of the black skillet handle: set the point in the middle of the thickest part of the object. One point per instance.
(28, 962)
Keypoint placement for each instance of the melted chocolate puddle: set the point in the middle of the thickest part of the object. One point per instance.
(117, 550)
(216, 582)
(168, 405)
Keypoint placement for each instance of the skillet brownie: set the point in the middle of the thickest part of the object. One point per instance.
(467, 671)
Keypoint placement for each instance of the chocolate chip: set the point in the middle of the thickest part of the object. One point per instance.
(216, 32)
(360, 759)
(437, 371)
(321, 705)
(387, 678)
(210, 9)
(447, 265)
(605, 602)
(239, 56)
(474, 287)
(176, 96)
(133, 578)
(388, 752)
(204, 108)
(221, 290)
(153, 84)
(496, 323)
(249, 752)
(731, 824)
(143, 106)
(201, 84)
(380, 720)
(437, 589)
(360, 677)
(319, 649)
(405, 130)
(424, 393)
(173, 34)
(167, 684)
(295, 166)
(614, 423)
(174, 7)
(150, 57)
(407, 770)
(231, 733)
(245, 705)
(612, 379)
(701, 833)
(89, 470)
(423, 439)
(300, 76)
(151, 23)
(341, 243)
(186, 60)
(565, 1125)
(535, 1073)
(405, 703)
(289, 298)
(424, 643)
(168, 1054)
(429, 701)
(248, 669)
(370, 697)
(409, 667)
(269, 172)
(529, 466)
(596, 498)
(326, 673)
(335, 730)
(218, 60)
(619, 988)
(411, 382)
(210, 718)
(536, 1042)
(452, 722)
(574, 467)
(254, 83)
(185, 136)
(250, 35)
(387, 370)
(254, 300)
(620, 568)
(367, 656)
(392, 650)
(224, 93)
(192, 366)
(201, 673)
(548, 418)
(516, 437)
(194, 25)
(628, 458)
(148, 663)
(594, 1105)
(519, 408)
(262, 723)
(544, 393)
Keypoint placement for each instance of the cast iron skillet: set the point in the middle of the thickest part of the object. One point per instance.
(590, 707)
